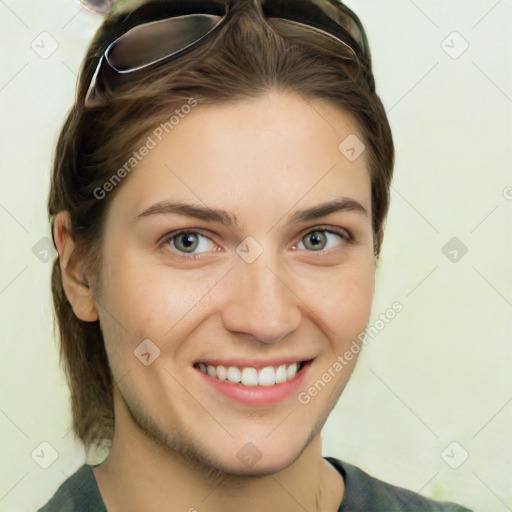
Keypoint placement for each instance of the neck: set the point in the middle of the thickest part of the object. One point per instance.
(142, 474)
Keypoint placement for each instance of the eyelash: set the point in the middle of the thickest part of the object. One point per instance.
(165, 242)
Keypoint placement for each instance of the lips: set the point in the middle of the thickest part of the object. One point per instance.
(256, 386)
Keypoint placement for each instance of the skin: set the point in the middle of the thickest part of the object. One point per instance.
(176, 438)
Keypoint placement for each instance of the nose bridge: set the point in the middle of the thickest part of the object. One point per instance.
(259, 301)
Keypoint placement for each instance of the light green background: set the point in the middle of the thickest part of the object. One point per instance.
(438, 373)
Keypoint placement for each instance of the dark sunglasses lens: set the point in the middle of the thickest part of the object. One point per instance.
(97, 6)
(331, 21)
(313, 36)
(152, 42)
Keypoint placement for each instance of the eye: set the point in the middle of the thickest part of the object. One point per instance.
(318, 239)
(191, 243)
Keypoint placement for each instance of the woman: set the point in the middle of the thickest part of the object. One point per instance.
(217, 202)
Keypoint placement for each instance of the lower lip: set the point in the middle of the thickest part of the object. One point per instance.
(257, 395)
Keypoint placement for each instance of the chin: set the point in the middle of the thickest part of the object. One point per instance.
(260, 457)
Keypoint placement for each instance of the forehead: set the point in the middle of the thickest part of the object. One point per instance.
(271, 152)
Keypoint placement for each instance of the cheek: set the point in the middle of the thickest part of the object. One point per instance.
(149, 300)
(346, 308)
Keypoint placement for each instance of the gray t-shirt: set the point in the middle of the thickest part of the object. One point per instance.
(80, 493)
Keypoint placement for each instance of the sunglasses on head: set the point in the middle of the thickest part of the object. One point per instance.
(156, 33)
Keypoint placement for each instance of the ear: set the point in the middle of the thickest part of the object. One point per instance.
(78, 293)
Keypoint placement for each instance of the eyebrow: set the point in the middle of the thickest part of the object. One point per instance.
(222, 216)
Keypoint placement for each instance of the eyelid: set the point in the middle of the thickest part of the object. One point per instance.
(171, 234)
(338, 230)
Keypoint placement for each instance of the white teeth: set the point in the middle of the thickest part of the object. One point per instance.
(267, 376)
(249, 376)
(222, 373)
(281, 374)
(234, 375)
(291, 371)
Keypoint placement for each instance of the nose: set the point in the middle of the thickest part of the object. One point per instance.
(260, 302)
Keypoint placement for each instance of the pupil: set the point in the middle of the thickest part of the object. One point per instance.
(188, 240)
(317, 238)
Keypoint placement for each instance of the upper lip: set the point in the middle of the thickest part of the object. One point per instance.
(254, 363)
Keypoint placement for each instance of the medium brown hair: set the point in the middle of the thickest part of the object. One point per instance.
(245, 59)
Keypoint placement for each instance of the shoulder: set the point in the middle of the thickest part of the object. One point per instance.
(78, 493)
(364, 492)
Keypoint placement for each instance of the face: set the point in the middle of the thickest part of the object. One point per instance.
(243, 283)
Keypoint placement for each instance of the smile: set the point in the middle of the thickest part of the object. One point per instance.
(250, 376)
(261, 385)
